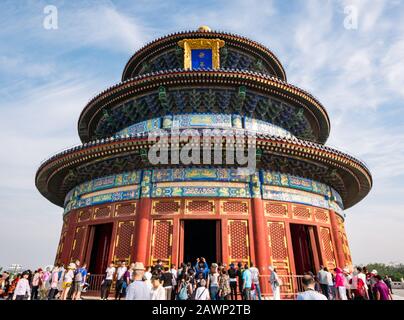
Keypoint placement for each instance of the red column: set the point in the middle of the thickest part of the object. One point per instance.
(260, 242)
(141, 230)
(337, 240)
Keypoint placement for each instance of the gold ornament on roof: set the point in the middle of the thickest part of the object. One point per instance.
(204, 29)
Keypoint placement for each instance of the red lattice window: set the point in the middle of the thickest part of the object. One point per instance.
(102, 212)
(165, 207)
(124, 240)
(301, 212)
(84, 215)
(60, 247)
(235, 207)
(328, 251)
(125, 209)
(322, 216)
(200, 206)
(276, 210)
(78, 243)
(277, 238)
(238, 234)
(162, 239)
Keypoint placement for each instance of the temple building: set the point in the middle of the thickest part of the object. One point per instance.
(119, 205)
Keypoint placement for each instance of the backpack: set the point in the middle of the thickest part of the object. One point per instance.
(183, 294)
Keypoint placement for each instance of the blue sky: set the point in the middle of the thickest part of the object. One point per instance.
(47, 76)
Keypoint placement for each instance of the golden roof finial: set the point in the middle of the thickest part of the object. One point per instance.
(204, 29)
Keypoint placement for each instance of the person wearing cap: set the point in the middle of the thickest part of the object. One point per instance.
(138, 289)
(233, 281)
(309, 291)
(22, 290)
(213, 283)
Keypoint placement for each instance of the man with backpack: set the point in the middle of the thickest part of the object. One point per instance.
(184, 289)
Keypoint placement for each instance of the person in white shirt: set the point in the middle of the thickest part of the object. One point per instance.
(106, 283)
(68, 280)
(276, 283)
(157, 291)
(310, 293)
(202, 293)
(119, 280)
(255, 279)
(323, 278)
(22, 289)
(173, 270)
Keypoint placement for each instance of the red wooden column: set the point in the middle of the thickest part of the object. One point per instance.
(337, 240)
(260, 242)
(142, 223)
(142, 220)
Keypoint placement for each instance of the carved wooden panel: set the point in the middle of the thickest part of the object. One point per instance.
(78, 243)
(279, 256)
(166, 207)
(102, 212)
(162, 241)
(59, 251)
(84, 215)
(321, 215)
(125, 209)
(199, 207)
(234, 207)
(301, 212)
(344, 240)
(327, 248)
(238, 241)
(124, 241)
(275, 209)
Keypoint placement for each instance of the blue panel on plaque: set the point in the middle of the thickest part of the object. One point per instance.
(201, 58)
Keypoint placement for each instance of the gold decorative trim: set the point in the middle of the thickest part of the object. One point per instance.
(201, 43)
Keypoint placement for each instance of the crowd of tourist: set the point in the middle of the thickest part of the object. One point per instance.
(357, 284)
(191, 281)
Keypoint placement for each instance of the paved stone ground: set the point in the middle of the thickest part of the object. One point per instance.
(398, 294)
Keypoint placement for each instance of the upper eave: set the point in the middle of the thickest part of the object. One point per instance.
(356, 176)
(162, 43)
(121, 92)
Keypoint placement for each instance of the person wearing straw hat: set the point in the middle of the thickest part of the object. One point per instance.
(138, 289)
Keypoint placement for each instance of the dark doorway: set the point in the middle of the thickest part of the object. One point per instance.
(201, 239)
(99, 247)
(302, 249)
